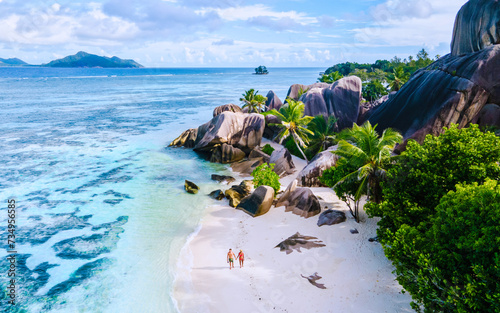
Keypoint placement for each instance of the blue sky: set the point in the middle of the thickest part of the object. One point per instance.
(227, 33)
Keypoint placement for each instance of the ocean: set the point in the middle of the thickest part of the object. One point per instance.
(97, 204)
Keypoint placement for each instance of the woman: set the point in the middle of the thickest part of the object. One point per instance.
(241, 257)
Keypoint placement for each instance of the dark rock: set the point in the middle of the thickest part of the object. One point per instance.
(271, 129)
(283, 164)
(354, 231)
(227, 108)
(300, 201)
(226, 154)
(309, 176)
(273, 102)
(186, 139)
(297, 241)
(219, 130)
(223, 178)
(247, 166)
(251, 133)
(258, 153)
(237, 192)
(477, 26)
(373, 239)
(295, 89)
(259, 202)
(489, 116)
(340, 99)
(243, 131)
(217, 194)
(191, 187)
(453, 89)
(331, 217)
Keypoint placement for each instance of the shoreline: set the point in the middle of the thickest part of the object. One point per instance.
(357, 275)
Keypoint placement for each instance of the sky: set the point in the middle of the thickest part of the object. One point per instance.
(227, 33)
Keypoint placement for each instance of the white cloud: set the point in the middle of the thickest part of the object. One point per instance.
(411, 23)
(245, 13)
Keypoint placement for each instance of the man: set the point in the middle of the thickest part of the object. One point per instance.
(230, 258)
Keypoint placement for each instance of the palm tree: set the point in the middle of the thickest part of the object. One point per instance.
(369, 153)
(293, 123)
(324, 133)
(253, 101)
(397, 79)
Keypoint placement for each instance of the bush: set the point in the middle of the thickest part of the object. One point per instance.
(267, 149)
(453, 266)
(346, 190)
(425, 173)
(263, 175)
(430, 228)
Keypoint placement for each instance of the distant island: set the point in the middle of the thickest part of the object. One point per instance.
(261, 70)
(12, 62)
(81, 59)
(84, 59)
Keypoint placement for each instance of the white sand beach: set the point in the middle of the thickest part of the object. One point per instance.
(355, 272)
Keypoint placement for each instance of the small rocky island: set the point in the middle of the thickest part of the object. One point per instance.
(261, 70)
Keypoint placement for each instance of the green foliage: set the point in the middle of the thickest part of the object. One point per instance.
(382, 70)
(436, 233)
(324, 134)
(301, 92)
(293, 123)
(368, 153)
(453, 265)
(261, 70)
(267, 149)
(346, 190)
(253, 101)
(264, 175)
(397, 79)
(373, 90)
(425, 173)
(331, 77)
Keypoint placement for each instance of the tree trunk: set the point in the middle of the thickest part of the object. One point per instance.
(302, 152)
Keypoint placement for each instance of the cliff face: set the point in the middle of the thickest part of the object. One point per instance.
(477, 26)
(455, 88)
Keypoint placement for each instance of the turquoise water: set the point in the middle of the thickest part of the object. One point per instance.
(101, 212)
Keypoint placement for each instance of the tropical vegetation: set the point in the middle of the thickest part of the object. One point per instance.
(440, 219)
(264, 175)
(391, 75)
(293, 123)
(253, 101)
(324, 134)
(368, 153)
(261, 70)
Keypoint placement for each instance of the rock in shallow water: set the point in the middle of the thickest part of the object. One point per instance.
(191, 187)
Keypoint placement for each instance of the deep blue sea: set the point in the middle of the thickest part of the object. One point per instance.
(101, 214)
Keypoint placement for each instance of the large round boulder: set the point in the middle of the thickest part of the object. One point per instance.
(331, 217)
(259, 202)
(237, 192)
(186, 139)
(227, 107)
(477, 26)
(489, 116)
(453, 89)
(283, 163)
(309, 176)
(300, 201)
(226, 154)
(273, 102)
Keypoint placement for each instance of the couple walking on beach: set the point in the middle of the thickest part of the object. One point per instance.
(230, 258)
